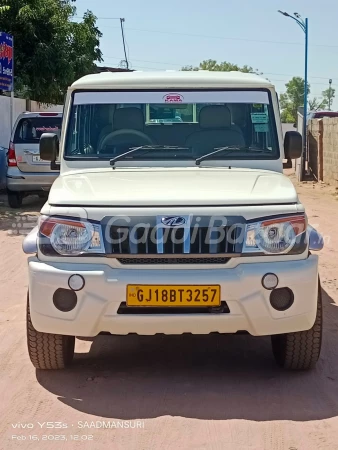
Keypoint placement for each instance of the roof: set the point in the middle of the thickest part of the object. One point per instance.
(41, 113)
(324, 113)
(171, 80)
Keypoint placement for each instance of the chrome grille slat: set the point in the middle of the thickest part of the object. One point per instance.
(159, 241)
(147, 243)
(172, 241)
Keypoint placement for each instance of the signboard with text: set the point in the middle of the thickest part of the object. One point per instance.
(6, 62)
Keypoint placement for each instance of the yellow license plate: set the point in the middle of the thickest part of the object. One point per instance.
(173, 295)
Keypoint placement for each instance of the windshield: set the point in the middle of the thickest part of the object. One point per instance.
(30, 129)
(106, 125)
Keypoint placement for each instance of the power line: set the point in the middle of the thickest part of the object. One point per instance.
(181, 65)
(320, 84)
(290, 75)
(101, 18)
(215, 37)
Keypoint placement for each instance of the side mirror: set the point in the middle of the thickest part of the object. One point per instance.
(49, 146)
(293, 145)
(49, 149)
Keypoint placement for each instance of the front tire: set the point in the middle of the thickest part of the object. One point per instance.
(300, 350)
(14, 199)
(46, 350)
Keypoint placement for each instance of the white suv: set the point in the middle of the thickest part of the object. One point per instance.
(164, 226)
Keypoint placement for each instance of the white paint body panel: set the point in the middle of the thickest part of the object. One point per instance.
(93, 190)
(105, 289)
(186, 186)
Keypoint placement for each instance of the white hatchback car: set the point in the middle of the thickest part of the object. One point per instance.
(27, 173)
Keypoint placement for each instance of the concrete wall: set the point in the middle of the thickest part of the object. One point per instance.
(5, 121)
(40, 107)
(330, 150)
(299, 161)
(323, 149)
(19, 107)
(314, 130)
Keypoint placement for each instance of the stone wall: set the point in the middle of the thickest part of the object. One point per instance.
(323, 149)
(330, 151)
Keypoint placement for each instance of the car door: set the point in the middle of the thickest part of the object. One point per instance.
(26, 138)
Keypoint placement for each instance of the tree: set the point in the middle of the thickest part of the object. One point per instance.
(292, 99)
(316, 104)
(213, 65)
(51, 51)
(328, 96)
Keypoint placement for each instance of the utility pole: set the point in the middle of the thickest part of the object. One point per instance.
(330, 93)
(122, 20)
(304, 25)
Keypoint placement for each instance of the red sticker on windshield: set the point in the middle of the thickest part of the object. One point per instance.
(173, 98)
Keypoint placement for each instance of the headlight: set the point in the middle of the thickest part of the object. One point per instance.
(69, 237)
(275, 236)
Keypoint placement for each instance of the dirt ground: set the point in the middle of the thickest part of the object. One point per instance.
(179, 392)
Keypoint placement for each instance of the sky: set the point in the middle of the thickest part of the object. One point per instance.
(168, 35)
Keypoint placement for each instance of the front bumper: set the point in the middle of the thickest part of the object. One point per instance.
(105, 289)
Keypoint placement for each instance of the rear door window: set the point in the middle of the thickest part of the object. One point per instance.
(30, 129)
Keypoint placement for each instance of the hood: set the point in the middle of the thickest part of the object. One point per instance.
(172, 187)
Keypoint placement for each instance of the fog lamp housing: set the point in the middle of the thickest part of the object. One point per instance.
(76, 282)
(281, 299)
(270, 281)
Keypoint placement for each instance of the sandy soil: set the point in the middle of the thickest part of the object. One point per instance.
(175, 392)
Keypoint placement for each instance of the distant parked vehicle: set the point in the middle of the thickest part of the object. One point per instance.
(27, 173)
(3, 166)
(321, 114)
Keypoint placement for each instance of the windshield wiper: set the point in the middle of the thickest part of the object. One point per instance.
(229, 149)
(147, 148)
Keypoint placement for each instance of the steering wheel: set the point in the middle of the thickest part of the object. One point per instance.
(131, 138)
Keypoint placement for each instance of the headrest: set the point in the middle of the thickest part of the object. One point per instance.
(128, 118)
(215, 116)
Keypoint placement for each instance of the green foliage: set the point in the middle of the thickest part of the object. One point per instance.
(315, 104)
(212, 65)
(51, 51)
(287, 117)
(328, 96)
(292, 99)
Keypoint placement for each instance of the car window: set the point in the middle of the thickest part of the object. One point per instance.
(30, 129)
(103, 126)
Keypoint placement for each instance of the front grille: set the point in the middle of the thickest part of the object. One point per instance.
(182, 260)
(174, 241)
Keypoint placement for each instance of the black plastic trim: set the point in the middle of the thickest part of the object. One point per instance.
(292, 298)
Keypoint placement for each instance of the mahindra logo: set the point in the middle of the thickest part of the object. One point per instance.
(173, 98)
(173, 221)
